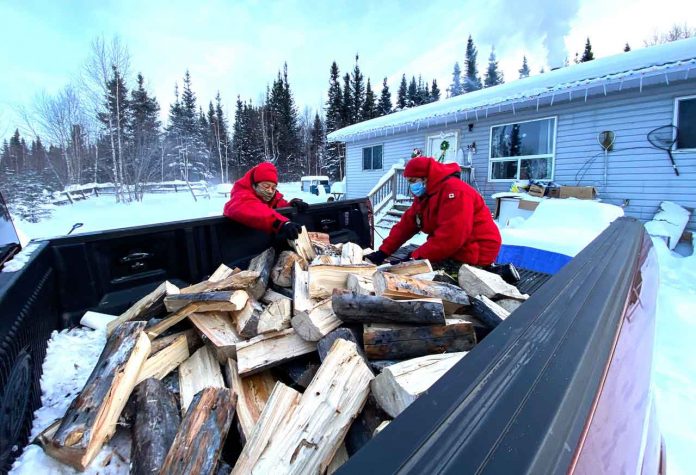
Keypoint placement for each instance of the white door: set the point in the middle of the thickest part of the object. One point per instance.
(435, 142)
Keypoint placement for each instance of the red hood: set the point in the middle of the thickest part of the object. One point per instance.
(438, 172)
(244, 185)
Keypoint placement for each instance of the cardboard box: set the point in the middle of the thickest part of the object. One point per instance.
(537, 190)
(579, 192)
(528, 205)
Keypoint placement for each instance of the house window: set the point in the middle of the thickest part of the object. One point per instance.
(685, 120)
(372, 158)
(523, 150)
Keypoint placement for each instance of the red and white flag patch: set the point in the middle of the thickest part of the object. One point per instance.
(451, 195)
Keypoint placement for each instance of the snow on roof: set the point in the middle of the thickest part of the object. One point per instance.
(637, 64)
(315, 177)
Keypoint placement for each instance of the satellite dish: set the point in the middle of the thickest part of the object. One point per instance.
(606, 140)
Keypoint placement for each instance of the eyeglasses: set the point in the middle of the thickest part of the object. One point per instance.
(267, 186)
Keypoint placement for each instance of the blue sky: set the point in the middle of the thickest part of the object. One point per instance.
(238, 47)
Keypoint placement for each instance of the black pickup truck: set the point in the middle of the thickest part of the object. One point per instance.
(563, 385)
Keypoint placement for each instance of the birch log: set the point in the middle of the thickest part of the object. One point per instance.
(271, 349)
(200, 371)
(145, 305)
(351, 307)
(404, 287)
(477, 281)
(317, 322)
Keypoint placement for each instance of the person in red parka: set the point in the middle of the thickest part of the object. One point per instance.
(458, 223)
(254, 199)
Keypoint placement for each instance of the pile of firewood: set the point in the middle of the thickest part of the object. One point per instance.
(309, 352)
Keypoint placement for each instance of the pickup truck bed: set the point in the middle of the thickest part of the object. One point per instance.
(544, 392)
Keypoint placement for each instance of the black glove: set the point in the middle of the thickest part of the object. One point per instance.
(399, 261)
(289, 230)
(299, 205)
(377, 257)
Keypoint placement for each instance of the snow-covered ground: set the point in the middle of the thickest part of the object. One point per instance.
(72, 354)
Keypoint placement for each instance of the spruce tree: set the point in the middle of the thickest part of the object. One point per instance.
(493, 75)
(456, 88)
(347, 113)
(369, 107)
(316, 146)
(434, 92)
(385, 105)
(587, 55)
(401, 95)
(627, 48)
(472, 81)
(144, 131)
(524, 70)
(358, 93)
(412, 93)
(334, 121)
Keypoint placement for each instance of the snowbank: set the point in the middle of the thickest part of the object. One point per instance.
(669, 223)
(562, 226)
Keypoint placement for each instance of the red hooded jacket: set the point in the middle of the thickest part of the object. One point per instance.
(458, 223)
(246, 207)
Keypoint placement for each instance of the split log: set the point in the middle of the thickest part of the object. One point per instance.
(300, 290)
(238, 281)
(201, 436)
(145, 305)
(222, 272)
(280, 405)
(252, 394)
(91, 417)
(477, 281)
(303, 246)
(360, 284)
(247, 319)
(156, 423)
(348, 334)
(319, 239)
(509, 304)
(362, 429)
(309, 439)
(275, 317)
(377, 366)
(218, 328)
(339, 458)
(96, 320)
(480, 328)
(353, 308)
(281, 274)
(325, 259)
(160, 364)
(316, 323)
(192, 339)
(323, 279)
(487, 311)
(272, 296)
(270, 349)
(229, 301)
(263, 263)
(409, 268)
(384, 342)
(200, 371)
(397, 386)
(351, 253)
(166, 323)
(403, 287)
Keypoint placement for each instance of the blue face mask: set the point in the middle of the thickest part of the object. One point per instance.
(417, 188)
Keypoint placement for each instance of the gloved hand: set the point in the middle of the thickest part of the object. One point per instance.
(405, 259)
(377, 257)
(289, 230)
(299, 205)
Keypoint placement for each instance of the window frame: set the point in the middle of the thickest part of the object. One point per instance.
(675, 121)
(444, 134)
(519, 159)
(362, 158)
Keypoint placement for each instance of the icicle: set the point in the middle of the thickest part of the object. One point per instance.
(486, 112)
(667, 79)
(621, 85)
(466, 116)
(686, 76)
(537, 104)
(513, 109)
(641, 83)
(570, 96)
(586, 89)
(476, 112)
(553, 96)
(604, 85)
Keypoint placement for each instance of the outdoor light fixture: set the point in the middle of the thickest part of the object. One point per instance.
(471, 127)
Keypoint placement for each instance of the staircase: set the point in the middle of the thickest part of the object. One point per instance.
(390, 197)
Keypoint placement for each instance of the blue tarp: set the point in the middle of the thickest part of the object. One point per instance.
(532, 259)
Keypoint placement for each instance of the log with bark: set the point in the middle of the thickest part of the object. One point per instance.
(409, 268)
(298, 373)
(316, 323)
(201, 436)
(156, 423)
(488, 312)
(348, 334)
(247, 319)
(303, 246)
(145, 306)
(280, 405)
(252, 394)
(397, 386)
(360, 284)
(200, 371)
(263, 263)
(218, 328)
(220, 301)
(351, 253)
(281, 274)
(385, 342)
(91, 418)
(271, 349)
(404, 287)
(221, 273)
(165, 360)
(323, 279)
(477, 281)
(237, 281)
(363, 428)
(308, 440)
(192, 339)
(170, 320)
(351, 307)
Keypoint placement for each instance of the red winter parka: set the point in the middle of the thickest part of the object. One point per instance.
(453, 215)
(246, 207)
